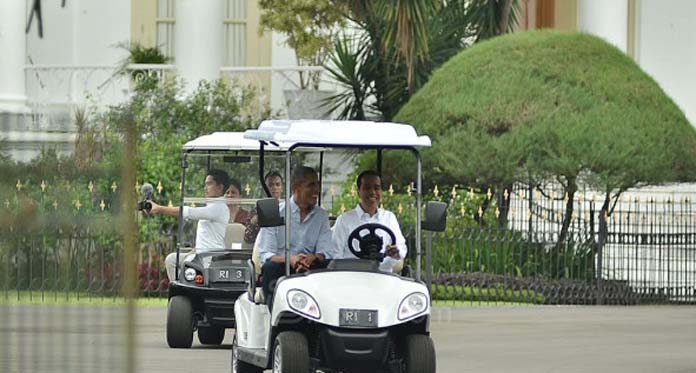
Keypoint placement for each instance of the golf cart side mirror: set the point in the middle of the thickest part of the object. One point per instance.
(268, 211)
(435, 217)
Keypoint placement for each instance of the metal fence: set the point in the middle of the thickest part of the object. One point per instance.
(646, 255)
(646, 252)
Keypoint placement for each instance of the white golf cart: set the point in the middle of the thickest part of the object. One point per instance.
(349, 317)
(201, 297)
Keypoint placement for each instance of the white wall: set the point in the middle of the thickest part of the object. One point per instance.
(606, 19)
(666, 49)
(83, 33)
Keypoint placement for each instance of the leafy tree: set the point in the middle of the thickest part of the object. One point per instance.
(398, 46)
(532, 106)
(310, 26)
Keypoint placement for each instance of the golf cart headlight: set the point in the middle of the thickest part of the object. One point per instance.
(303, 303)
(413, 304)
(189, 274)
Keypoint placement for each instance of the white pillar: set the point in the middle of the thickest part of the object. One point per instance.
(199, 40)
(13, 46)
(606, 19)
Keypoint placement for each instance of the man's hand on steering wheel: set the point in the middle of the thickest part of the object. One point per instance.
(392, 251)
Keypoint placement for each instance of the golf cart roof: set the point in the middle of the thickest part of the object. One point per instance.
(338, 133)
(228, 141)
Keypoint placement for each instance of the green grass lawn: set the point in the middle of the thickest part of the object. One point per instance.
(72, 299)
(81, 299)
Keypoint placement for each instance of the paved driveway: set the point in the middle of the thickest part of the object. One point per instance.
(468, 339)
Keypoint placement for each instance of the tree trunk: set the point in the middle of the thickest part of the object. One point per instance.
(570, 190)
(502, 196)
(504, 16)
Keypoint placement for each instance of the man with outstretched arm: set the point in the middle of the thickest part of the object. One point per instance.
(212, 218)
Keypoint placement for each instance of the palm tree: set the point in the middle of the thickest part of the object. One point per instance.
(400, 43)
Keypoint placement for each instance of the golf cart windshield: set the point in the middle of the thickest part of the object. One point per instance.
(239, 159)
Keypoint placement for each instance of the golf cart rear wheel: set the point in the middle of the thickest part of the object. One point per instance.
(419, 354)
(290, 353)
(211, 335)
(239, 366)
(179, 322)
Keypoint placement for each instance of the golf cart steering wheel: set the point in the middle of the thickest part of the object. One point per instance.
(370, 243)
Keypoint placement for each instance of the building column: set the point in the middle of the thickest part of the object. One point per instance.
(606, 19)
(13, 46)
(199, 40)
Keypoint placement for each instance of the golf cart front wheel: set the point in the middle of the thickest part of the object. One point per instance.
(179, 322)
(290, 353)
(419, 354)
(239, 366)
(211, 335)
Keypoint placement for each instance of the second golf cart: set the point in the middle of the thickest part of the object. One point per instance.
(206, 283)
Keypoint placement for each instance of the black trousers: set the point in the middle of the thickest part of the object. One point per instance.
(272, 271)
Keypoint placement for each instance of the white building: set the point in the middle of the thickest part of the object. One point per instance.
(42, 79)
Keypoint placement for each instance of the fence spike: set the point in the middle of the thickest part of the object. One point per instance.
(506, 194)
(43, 186)
(436, 192)
(159, 187)
(55, 204)
(78, 205)
(489, 194)
(480, 212)
(247, 189)
(90, 186)
(102, 205)
(497, 213)
(453, 193)
(170, 204)
(400, 208)
(391, 189)
(462, 211)
(114, 187)
(19, 185)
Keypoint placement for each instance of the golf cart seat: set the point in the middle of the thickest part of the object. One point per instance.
(234, 234)
(255, 291)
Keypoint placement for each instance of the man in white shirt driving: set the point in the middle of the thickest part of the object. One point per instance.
(212, 218)
(368, 211)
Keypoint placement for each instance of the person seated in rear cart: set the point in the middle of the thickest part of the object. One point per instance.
(368, 211)
(310, 238)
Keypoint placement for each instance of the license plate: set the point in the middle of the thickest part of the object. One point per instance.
(227, 274)
(357, 318)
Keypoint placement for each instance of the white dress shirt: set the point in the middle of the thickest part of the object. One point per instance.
(312, 236)
(212, 224)
(348, 221)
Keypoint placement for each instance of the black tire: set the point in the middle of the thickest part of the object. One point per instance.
(290, 353)
(179, 322)
(239, 366)
(419, 354)
(211, 336)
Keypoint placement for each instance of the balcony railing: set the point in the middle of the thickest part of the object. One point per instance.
(53, 89)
